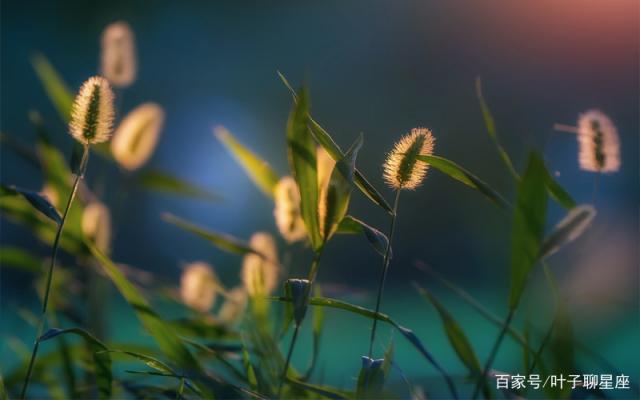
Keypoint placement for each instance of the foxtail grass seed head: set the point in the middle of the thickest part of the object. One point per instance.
(96, 225)
(599, 143)
(402, 170)
(119, 54)
(287, 210)
(325, 165)
(234, 306)
(136, 137)
(92, 112)
(199, 286)
(260, 271)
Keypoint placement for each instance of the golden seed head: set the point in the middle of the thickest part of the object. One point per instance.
(260, 271)
(118, 54)
(402, 170)
(325, 165)
(599, 143)
(199, 286)
(96, 225)
(136, 137)
(287, 210)
(92, 112)
(233, 307)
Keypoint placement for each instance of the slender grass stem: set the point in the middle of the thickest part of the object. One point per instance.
(288, 360)
(482, 381)
(313, 272)
(54, 253)
(540, 350)
(385, 268)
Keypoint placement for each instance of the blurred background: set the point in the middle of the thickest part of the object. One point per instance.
(380, 68)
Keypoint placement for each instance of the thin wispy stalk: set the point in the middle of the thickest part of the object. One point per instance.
(91, 122)
(385, 269)
(47, 290)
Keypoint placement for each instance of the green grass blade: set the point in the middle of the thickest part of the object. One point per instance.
(256, 168)
(170, 345)
(53, 84)
(568, 229)
(491, 130)
(164, 182)
(38, 202)
(249, 371)
(455, 334)
(325, 392)
(460, 174)
(222, 241)
(528, 225)
(365, 312)
(15, 257)
(301, 149)
(558, 193)
(149, 361)
(352, 225)
(325, 140)
(3, 391)
(101, 358)
(339, 190)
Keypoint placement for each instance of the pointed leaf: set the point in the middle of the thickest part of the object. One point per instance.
(371, 379)
(339, 190)
(148, 361)
(248, 367)
(19, 258)
(491, 130)
(298, 291)
(164, 182)
(352, 225)
(568, 229)
(460, 174)
(406, 332)
(171, 346)
(326, 141)
(101, 358)
(258, 170)
(558, 193)
(38, 201)
(220, 240)
(456, 335)
(528, 225)
(56, 89)
(324, 391)
(302, 161)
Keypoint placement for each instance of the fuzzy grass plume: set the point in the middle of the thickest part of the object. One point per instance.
(198, 286)
(136, 137)
(260, 271)
(401, 168)
(118, 56)
(599, 143)
(287, 210)
(92, 112)
(96, 224)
